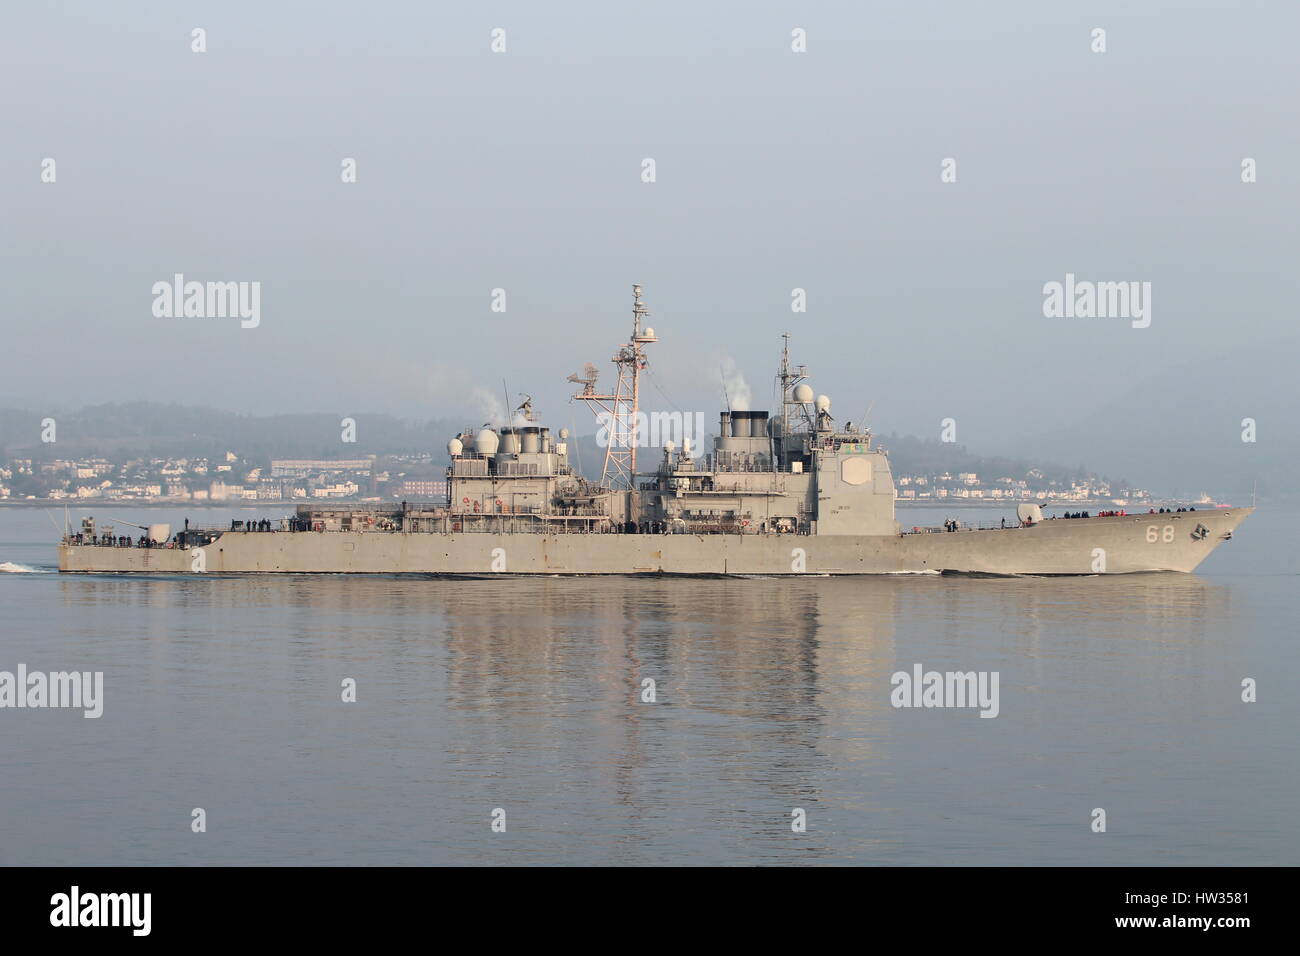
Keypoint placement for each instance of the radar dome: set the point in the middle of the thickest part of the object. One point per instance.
(485, 443)
(564, 433)
(455, 447)
(686, 446)
(649, 332)
(803, 393)
(823, 403)
(1029, 514)
(669, 446)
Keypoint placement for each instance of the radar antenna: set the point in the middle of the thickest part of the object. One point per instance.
(587, 379)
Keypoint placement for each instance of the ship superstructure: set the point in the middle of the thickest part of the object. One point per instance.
(796, 473)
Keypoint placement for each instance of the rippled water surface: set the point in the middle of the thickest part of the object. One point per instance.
(1121, 692)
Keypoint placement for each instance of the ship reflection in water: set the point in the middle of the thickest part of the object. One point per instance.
(527, 695)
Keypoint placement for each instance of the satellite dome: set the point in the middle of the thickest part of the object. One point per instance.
(455, 447)
(669, 446)
(823, 403)
(564, 433)
(803, 393)
(486, 442)
(649, 332)
(686, 446)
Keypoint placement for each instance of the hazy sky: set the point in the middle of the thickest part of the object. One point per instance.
(522, 170)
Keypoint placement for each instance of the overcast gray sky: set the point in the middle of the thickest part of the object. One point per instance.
(522, 170)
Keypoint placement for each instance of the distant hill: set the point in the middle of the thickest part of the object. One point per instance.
(158, 430)
(1181, 430)
(909, 455)
(149, 429)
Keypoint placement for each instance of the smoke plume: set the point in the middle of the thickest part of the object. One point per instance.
(739, 394)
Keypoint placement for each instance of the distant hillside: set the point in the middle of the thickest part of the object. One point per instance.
(148, 429)
(924, 456)
(158, 430)
(1181, 430)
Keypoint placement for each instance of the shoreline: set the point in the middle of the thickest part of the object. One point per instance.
(82, 503)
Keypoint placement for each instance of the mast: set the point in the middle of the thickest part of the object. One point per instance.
(789, 377)
(621, 409)
(784, 375)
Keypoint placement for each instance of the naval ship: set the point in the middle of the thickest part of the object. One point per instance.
(789, 492)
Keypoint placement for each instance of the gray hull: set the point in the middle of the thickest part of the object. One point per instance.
(1160, 542)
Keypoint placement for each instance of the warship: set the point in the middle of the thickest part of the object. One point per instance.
(789, 492)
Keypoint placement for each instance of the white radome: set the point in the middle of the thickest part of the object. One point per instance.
(455, 447)
(823, 403)
(803, 394)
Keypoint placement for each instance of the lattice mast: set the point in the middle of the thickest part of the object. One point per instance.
(787, 377)
(620, 410)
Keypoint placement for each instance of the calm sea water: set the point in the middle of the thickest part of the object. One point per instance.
(1122, 693)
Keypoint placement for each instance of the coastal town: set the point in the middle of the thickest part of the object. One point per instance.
(232, 479)
(228, 480)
